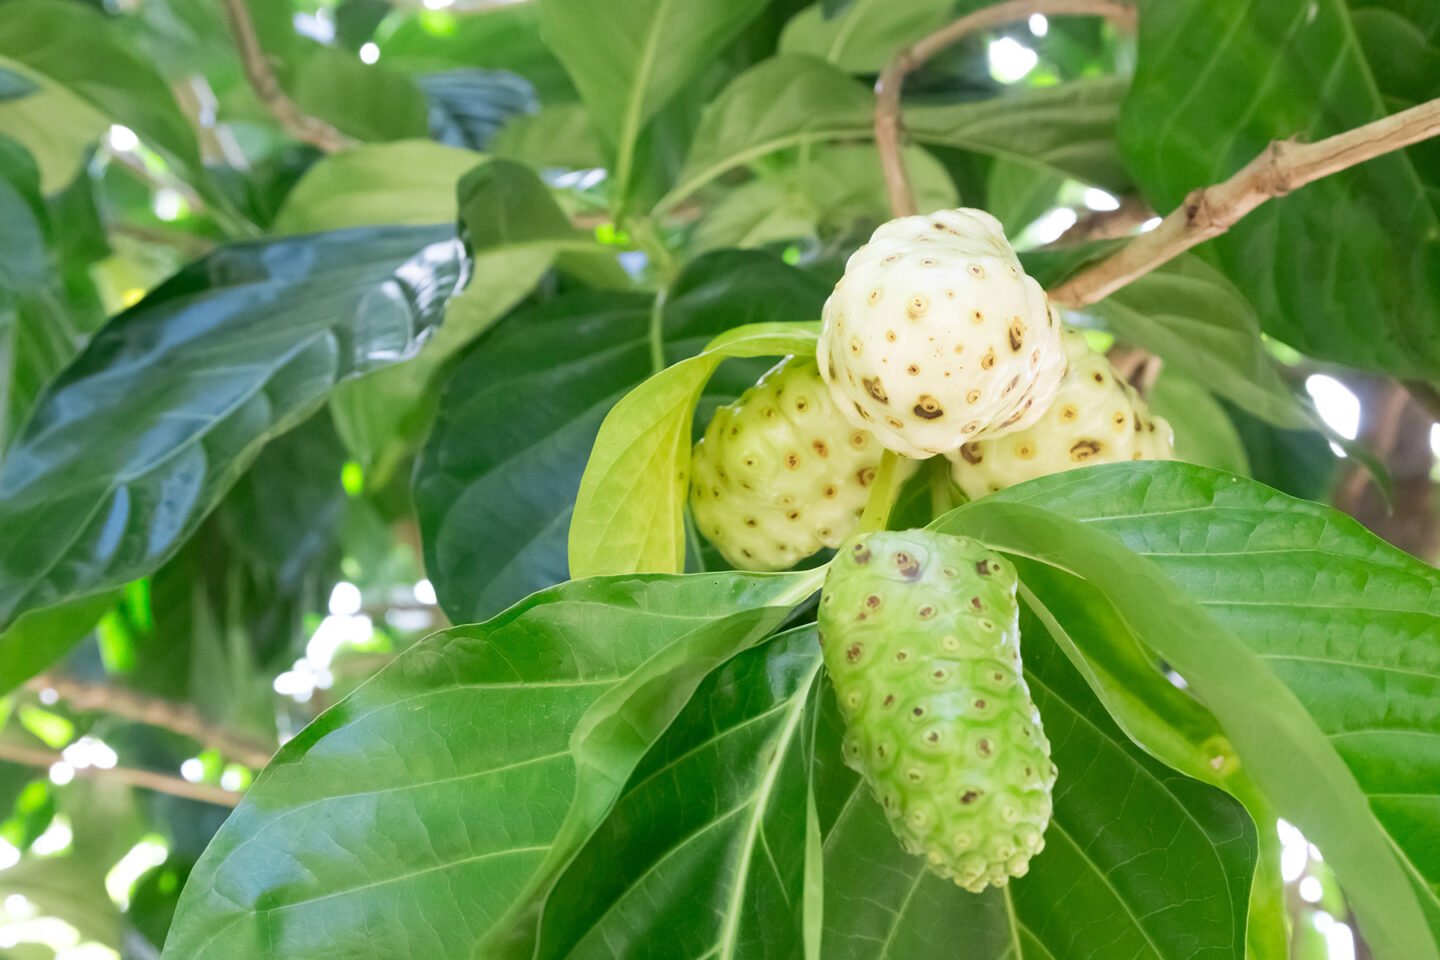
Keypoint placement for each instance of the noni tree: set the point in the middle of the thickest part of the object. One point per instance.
(720, 480)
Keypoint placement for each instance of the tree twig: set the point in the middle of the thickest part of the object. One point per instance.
(266, 85)
(176, 717)
(1106, 224)
(130, 776)
(1283, 166)
(892, 78)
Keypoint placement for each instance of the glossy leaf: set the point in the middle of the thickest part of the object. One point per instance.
(628, 60)
(1342, 270)
(1339, 617)
(538, 717)
(1139, 861)
(468, 107)
(497, 481)
(129, 449)
(560, 135)
(55, 125)
(369, 101)
(1204, 432)
(40, 638)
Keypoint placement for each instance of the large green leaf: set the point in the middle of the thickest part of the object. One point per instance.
(716, 873)
(497, 481)
(458, 781)
(82, 50)
(1139, 861)
(138, 438)
(55, 125)
(1344, 620)
(1345, 269)
(629, 59)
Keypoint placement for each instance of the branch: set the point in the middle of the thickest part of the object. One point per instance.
(1106, 224)
(1208, 212)
(266, 85)
(892, 78)
(130, 776)
(176, 717)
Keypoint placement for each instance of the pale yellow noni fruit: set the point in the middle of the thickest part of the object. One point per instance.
(780, 473)
(935, 335)
(1096, 417)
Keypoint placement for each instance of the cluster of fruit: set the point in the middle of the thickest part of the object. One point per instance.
(935, 343)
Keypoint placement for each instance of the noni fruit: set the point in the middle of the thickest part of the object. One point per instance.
(779, 473)
(922, 642)
(1096, 417)
(935, 335)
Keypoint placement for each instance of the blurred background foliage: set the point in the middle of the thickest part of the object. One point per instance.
(132, 143)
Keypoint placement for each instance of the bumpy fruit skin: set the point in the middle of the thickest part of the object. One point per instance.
(922, 642)
(1096, 417)
(935, 335)
(779, 473)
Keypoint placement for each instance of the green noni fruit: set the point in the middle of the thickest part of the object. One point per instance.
(922, 642)
(779, 473)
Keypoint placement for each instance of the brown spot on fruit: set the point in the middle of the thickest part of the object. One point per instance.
(917, 305)
(1025, 450)
(983, 747)
(1085, 449)
(973, 396)
(977, 316)
(969, 796)
(1017, 334)
(865, 476)
(977, 603)
(793, 515)
(751, 522)
(890, 335)
(926, 612)
(855, 346)
(820, 448)
(830, 491)
(1014, 382)
(987, 362)
(860, 554)
(889, 700)
(872, 601)
(928, 408)
(918, 711)
(913, 369)
(854, 652)
(864, 414)
(792, 460)
(1098, 377)
(1069, 413)
(875, 296)
(876, 389)
(977, 271)
(908, 566)
(983, 568)
(971, 453)
(895, 422)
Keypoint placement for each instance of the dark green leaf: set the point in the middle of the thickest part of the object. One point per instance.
(538, 718)
(863, 37)
(136, 441)
(15, 85)
(38, 639)
(369, 101)
(1345, 269)
(497, 482)
(560, 135)
(468, 107)
(1204, 433)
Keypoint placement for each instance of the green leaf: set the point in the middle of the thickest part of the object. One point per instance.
(1195, 319)
(14, 85)
(1139, 861)
(514, 230)
(40, 638)
(1342, 270)
(366, 101)
(1017, 194)
(1204, 433)
(785, 101)
(867, 34)
(128, 450)
(83, 51)
(55, 125)
(1343, 619)
(629, 513)
(497, 481)
(538, 717)
(408, 182)
(560, 135)
(739, 848)
(1068, 129)
(468, 107)
(628, 60)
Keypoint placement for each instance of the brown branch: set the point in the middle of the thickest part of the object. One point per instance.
(1283, 166)
(1106, 224)
(130, 776)
(910, 59)
(176, 717)
(266, 85)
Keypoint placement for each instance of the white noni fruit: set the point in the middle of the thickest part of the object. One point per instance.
(935, 335)
(1096, 417)
(780, 473)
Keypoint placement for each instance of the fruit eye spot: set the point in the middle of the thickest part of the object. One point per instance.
(913, 369)
(1017, 334)
(872, 601)
(971, 453)
(876, 389)
(987, 362)
(875, 296)
(977, 271)
(917, 306)
(866, 476)
(1085, 449)
(926, 612)
(792, 460)
(854, 652)
(890, 335)
(928, 408)
(977, 316)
